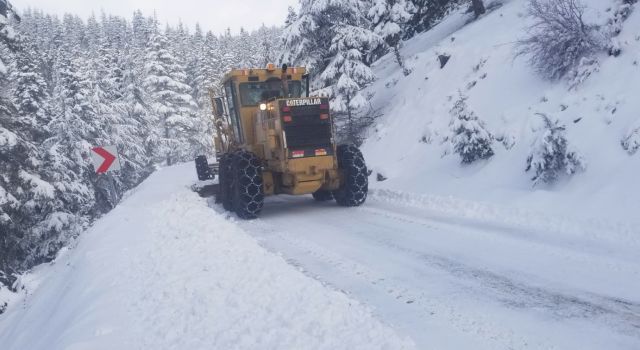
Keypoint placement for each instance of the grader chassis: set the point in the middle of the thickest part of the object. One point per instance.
(272, 138)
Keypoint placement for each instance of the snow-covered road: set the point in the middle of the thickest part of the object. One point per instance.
(460, 283)
(169, 270)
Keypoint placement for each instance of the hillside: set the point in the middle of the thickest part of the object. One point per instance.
(408, 147)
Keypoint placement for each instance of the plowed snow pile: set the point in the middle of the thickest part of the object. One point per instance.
(164, 271)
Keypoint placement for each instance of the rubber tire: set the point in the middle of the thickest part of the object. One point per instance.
(322, 195)
(224, 182)
(247, 186)
(355, 186)
(202, 168)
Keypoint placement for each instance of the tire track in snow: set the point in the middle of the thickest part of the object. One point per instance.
(479, 284)
(495, 334)
(622, 315)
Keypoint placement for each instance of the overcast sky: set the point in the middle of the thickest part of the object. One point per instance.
(216, 15)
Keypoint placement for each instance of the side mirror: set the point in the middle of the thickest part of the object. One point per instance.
(218, 107)
(306, 87)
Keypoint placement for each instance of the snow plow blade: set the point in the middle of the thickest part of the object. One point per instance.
(205, 188)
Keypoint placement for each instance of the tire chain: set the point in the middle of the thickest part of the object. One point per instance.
(353, 192)
(249, 194)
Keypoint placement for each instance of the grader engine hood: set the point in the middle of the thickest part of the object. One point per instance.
(307, 126)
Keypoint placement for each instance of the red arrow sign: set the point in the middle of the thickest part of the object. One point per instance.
(108, 159)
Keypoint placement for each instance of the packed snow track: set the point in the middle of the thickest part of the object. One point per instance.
(457, 283)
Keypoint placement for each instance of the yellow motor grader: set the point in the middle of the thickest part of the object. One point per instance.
(271, 138)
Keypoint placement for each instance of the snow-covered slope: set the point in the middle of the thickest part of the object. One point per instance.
(407, 144)
(165, 271)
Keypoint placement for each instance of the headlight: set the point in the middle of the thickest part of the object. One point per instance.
(263, 106)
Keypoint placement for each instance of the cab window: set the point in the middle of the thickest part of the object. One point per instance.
(233, 111)
(251, 94)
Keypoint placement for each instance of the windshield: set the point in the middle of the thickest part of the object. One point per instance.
(251, 94)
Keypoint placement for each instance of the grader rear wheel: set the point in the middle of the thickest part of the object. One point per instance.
(355, 185)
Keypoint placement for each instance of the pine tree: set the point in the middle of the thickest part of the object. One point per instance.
(387, 18)
(12, 149)
(425, 14)
(74, 130)
(180, 135)
(71, 85)
(335, 41)
(551, 155)
(469, 136)
(134, 138)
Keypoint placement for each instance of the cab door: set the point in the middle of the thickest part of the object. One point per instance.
(234, 114)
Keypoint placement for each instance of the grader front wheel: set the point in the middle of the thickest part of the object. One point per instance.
(247, 190)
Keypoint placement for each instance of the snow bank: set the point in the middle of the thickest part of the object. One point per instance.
(408, 146)
(164, 271)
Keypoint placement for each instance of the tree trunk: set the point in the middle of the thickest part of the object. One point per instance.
(349, 121)
(166, 137)
(396, 51)
(478, 7)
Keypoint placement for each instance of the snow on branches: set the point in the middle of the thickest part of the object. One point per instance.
(631, 141)
(551, 156)
(469, 136)
(559, 37)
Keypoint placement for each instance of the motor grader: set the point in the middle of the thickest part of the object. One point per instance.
(272, 138)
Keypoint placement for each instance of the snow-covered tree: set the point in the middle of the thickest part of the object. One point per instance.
(180, 133)
(469, 136)
(387, 18)
(12, 149)
(334, 40)
(67, 85)
(551, 155)
(559, 37)
(425, 14)
(631, 141)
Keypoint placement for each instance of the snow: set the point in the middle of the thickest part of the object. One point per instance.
(408, 145)
(444, 255)
(7, 138)
(455, 274)
(41, 188)
(164, 271)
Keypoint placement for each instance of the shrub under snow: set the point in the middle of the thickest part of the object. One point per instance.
(559, 38)
(469, 137)
(631, 142)
(551, 155)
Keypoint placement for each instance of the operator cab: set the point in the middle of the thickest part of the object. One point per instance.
(253, 93)
(246, 90)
